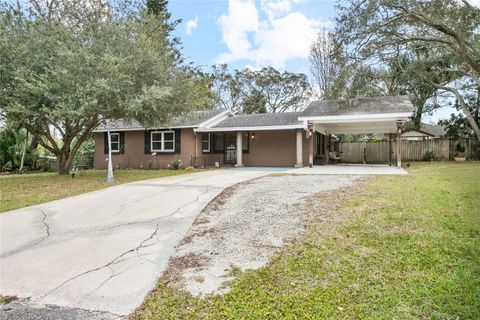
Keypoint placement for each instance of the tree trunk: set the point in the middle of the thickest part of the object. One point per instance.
(64, 162)
(24, 151)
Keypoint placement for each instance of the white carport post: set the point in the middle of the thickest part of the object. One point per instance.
(299, 163)
(399, 143)
(310, 145)
(239, 163)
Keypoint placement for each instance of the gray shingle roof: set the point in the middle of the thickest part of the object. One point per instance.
(374, 105)
(261, 120)
(433, 130)
(192, 119)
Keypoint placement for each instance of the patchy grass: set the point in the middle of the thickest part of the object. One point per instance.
(405, 247)
(7, 299)
(17, 191)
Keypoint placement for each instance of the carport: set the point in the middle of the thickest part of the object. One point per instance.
(385, 115)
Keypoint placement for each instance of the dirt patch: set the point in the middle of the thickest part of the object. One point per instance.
(176, 265)
(248, 223)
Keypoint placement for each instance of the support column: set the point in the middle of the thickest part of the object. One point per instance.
(390, 149)
(325, 150)
(299, 163)
(239, 150)
(399, 144)
(310, 149)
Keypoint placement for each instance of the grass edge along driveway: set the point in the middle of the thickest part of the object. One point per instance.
(22, 190)
(404, 247)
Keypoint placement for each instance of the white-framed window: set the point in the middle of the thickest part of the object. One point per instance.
(205, 142)
(162, 141)
(115, 142)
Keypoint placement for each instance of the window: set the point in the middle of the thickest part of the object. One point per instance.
(206, 142)
(218, 142)
(162, 141)
(115, 142)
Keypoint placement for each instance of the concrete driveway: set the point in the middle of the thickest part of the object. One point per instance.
(103, 250)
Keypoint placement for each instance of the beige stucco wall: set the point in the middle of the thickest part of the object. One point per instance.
(270, 148)
(134, 156)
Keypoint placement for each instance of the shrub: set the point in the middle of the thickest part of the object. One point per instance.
(429, 155)
(177, 164)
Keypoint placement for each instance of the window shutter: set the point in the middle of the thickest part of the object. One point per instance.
(177, 140)
(147, 142)
(122, 142)
(105, 142)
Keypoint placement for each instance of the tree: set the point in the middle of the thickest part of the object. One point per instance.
(326, 60)
(457, 126)
(383, 29)
(255, 103)
(279, 91)
(159, 8)
(66, 66)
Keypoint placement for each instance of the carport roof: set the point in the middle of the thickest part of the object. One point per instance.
(360, 106)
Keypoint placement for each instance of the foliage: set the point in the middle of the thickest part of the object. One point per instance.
(404, 248)
(70, 66)
(43, 187)
(383, 30)
(177, 164)
(11, 147)
(458, 126)
(87, 149)
(460, 150)
(264, 90)
(429, 155)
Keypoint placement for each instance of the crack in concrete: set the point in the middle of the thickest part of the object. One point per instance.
(30, 245)
(116, 260)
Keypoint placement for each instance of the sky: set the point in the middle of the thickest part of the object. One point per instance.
(256, 33)
(251, 33)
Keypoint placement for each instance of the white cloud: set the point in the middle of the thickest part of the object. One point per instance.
(241, 19)
(191, 24)
(271, 34)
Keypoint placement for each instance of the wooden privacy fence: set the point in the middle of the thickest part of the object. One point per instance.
(377, 152)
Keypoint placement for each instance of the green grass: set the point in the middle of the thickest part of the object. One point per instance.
(406, 247)
(17, 191)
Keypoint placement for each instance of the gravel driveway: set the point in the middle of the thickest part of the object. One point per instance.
(243, 228)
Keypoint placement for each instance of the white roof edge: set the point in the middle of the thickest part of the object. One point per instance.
(254, 128)
(360, 117)
(216, 119)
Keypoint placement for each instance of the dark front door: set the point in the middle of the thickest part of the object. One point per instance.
(230, 148)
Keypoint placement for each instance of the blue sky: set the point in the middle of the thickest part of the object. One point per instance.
(251, 33)
(256, 33)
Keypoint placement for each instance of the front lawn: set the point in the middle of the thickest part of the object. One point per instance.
(404, 247)
(17, 191)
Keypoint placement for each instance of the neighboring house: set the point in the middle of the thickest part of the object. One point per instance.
(204, 138)
(426, 132)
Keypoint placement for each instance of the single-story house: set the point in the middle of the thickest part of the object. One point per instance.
(204, 138)
(426, 132)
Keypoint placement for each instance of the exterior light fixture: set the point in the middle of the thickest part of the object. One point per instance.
(252, 136)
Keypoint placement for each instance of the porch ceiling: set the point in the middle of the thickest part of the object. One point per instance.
(357, 127)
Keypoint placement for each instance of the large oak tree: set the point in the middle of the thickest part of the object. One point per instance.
(69, 64)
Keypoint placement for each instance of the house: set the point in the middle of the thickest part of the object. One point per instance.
(426, 132)
(209, 137)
